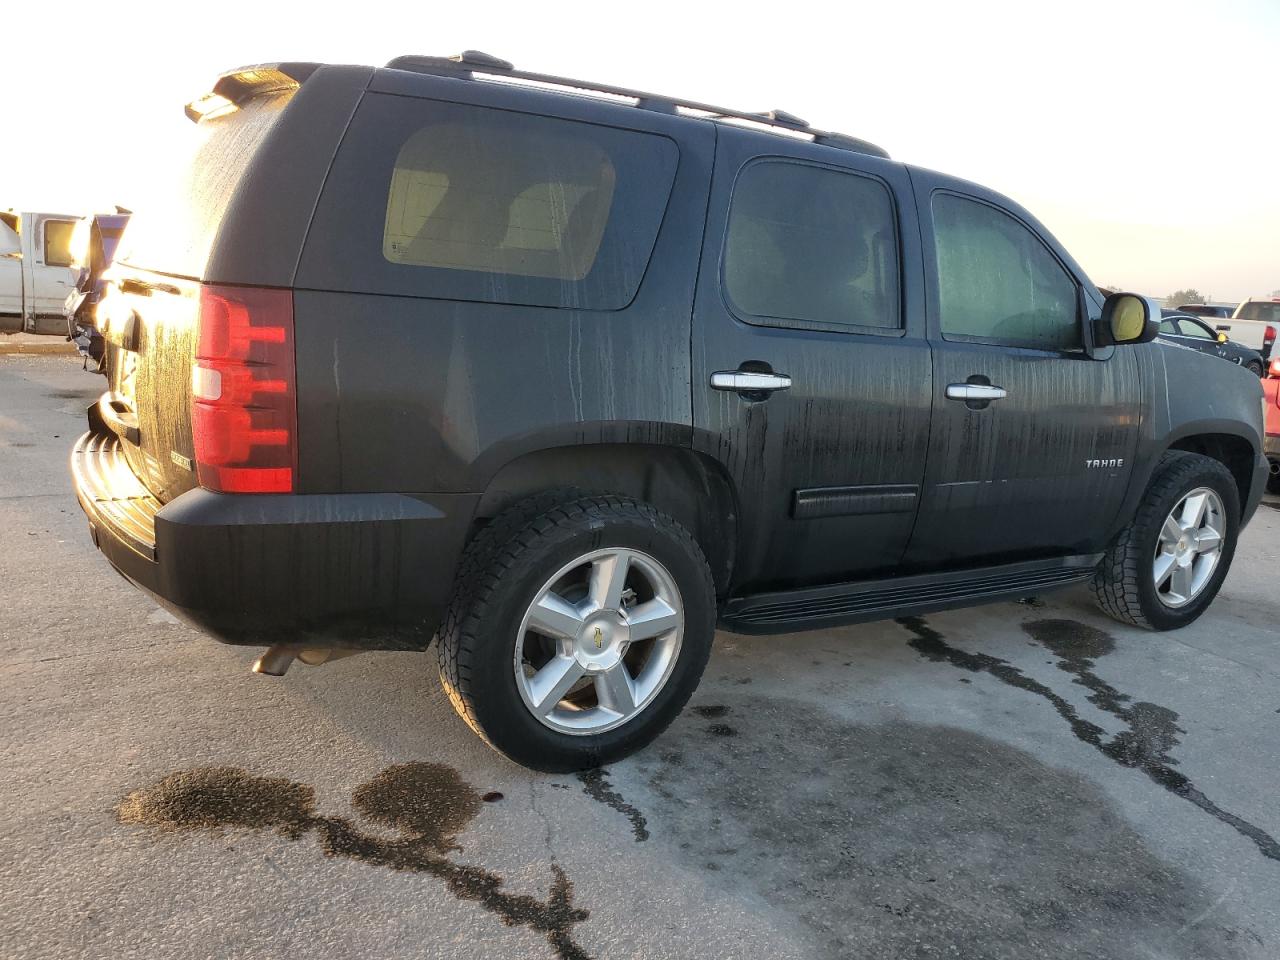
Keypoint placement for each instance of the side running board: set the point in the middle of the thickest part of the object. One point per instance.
(843, 603)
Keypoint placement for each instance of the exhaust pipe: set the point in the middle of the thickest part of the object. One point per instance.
(276, 659)
(1275, 467)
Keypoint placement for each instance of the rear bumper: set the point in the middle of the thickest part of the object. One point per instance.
(355, 570)
(1271, 445)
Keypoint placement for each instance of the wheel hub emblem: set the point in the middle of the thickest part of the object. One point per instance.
(599, 638)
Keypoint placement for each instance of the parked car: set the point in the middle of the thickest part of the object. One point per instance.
(1213, 311)
(93, 247)
(1195, 333)
(35, 257)
(565, 380)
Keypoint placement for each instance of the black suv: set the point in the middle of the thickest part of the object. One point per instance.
(564, 375)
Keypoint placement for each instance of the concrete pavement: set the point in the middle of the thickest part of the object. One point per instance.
(1013, 781)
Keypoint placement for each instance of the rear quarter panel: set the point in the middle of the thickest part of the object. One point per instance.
(422, 395)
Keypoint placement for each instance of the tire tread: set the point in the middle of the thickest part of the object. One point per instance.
(501, 546)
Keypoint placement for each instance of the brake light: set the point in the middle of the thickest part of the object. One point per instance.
(1274, 369)
(244, 417)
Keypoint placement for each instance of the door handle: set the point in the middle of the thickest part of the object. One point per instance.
(981, 392)
(747, 381)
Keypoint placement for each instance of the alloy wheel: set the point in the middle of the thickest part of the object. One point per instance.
(1189, 547)
(599, 641)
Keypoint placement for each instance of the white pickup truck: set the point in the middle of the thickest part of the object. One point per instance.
(1255, 323)
(35, 271)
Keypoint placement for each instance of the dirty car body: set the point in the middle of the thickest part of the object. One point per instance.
(373, 335)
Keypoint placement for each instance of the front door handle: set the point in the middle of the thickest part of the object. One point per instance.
(981, 392)
(748, 381)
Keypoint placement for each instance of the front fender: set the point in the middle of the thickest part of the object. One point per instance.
(1187, 395)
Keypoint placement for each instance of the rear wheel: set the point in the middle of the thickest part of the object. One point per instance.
(1166, 566)
(1255, 367)
(578, 632)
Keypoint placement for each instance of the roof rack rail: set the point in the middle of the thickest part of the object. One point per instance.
(471, 62)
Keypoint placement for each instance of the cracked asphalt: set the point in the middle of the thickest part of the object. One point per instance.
(1012, 781)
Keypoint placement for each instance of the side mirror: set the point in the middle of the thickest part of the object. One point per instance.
(1127, 318)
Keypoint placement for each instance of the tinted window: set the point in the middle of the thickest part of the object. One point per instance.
(459, 202)
(997, 280)
(483, 196)
(57, 242)
(812, 244)
(1169, 327)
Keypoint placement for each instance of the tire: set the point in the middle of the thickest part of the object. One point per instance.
(516, 560)
(1254, 367)
(1124, 582)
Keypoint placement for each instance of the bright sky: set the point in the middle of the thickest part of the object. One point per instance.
(1146, 135)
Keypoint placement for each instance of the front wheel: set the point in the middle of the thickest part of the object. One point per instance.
(1167, 565)
(582, 632)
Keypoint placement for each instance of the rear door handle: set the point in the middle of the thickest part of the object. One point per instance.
(975, 391)
(746, 381)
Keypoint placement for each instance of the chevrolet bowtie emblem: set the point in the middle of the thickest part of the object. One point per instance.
(599, 639)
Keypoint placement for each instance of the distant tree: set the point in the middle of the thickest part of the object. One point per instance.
(1275, 293)
(1179, 297)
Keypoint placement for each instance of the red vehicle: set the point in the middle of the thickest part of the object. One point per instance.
(1271, 443)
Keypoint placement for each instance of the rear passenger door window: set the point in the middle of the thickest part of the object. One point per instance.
(812, 246)
(57, 242)
(998, 283)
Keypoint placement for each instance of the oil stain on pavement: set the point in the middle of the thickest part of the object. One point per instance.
(428, 804)
(907, 840)
(596, 785)
(1152, 730)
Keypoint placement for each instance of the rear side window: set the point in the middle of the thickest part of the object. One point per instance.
(997, 281)
(810, 245)
(174, 225)
(460, 202)
(481, 196)
(57, 242)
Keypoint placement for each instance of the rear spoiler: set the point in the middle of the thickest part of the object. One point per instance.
(244, 83)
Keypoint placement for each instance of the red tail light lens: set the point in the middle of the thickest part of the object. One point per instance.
(1269, 336)
(1274, 369)
(244, 417)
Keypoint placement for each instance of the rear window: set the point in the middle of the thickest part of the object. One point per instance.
(1266, 312)
(459, 202)
(173, 227)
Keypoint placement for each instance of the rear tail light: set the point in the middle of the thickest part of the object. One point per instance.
(1268, 340)
(244, 419)
(1274, 369)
